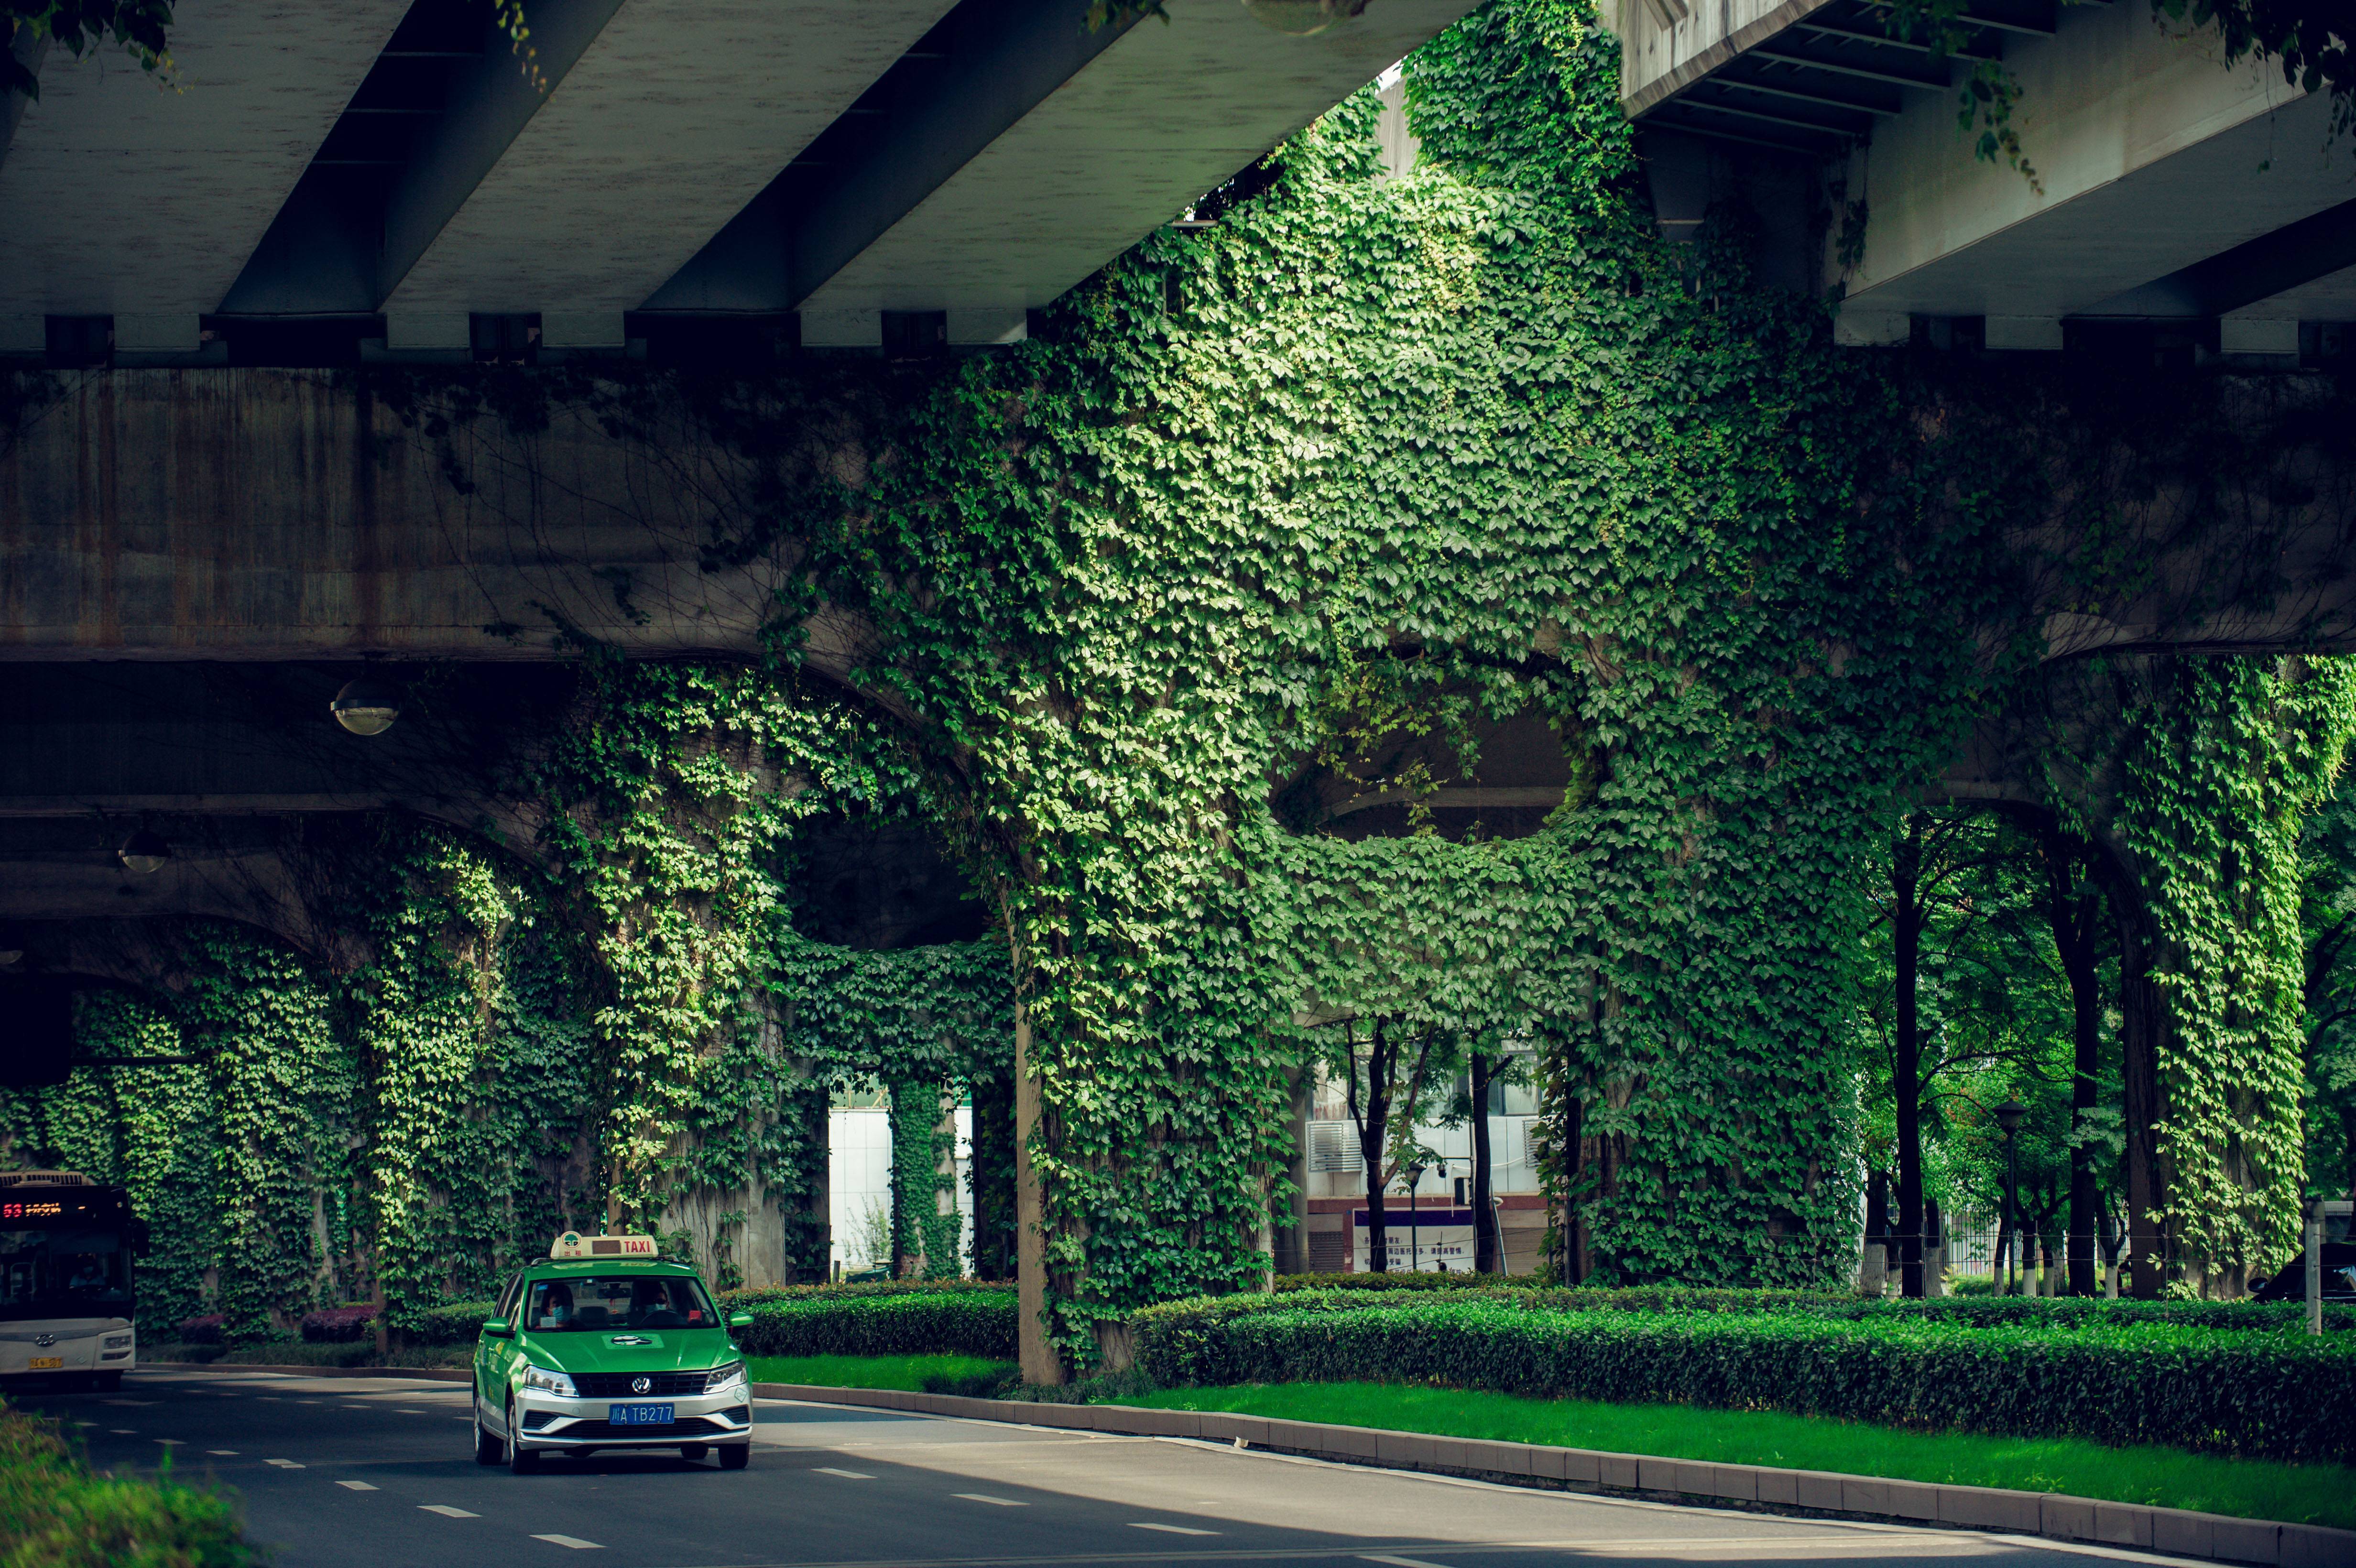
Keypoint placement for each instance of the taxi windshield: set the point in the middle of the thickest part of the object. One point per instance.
(596, 1302)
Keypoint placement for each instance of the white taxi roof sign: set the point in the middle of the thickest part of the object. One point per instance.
(573, 1245)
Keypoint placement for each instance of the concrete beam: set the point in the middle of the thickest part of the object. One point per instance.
(2151, 160)
(124, 195)
(221, 868)
(2256, 269)
(27, 51)
(679, 113)
(344, 239)
(987, 63)
(269, 515)
(1153, 119)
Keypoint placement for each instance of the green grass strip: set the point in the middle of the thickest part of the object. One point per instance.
(915, 1374)
(2168, 1477)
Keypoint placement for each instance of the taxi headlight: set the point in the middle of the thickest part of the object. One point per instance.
(548, 1382)
(721, 1377)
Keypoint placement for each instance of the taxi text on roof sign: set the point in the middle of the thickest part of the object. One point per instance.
(573, 1244)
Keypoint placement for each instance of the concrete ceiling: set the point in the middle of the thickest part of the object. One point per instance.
(676, 116)
(121, 196)
(1162, 115)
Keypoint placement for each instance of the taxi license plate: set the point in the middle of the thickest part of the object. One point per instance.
(639, 1414)
(45, 1363)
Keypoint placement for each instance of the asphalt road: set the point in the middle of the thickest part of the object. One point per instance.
(358, 1473)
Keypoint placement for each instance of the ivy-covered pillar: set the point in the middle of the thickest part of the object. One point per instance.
(2194, 773)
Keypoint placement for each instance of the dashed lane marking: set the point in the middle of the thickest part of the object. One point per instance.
(446, 1511)
(986, 1497)
(224, 1453)
(356, 1486)
(574, 1542)
(1171, 1529)
(130, 1401)
(846, 1475)
(283, 1463)
(1399, 1561)
(170, 1441)
(124, 1431)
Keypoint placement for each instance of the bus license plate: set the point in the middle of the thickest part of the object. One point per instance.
(45, 1363)
(639, 1414)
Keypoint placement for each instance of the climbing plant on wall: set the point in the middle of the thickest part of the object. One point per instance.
(2223, 762)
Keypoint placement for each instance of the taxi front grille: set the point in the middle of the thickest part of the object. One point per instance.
(616, 1385)
(690, 1429)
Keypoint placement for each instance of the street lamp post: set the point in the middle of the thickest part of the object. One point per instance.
(1414, 1203)
(2008, 1116)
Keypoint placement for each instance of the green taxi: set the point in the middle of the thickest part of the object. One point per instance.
(608, 1344)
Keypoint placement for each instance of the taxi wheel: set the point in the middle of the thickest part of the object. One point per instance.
(691, 1452)
(488, 1450)
(522, 1461)
(735, 1455)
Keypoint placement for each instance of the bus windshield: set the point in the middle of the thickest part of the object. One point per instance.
(71, 1272)
(618, 1301)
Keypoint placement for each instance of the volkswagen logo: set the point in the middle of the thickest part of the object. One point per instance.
(640, 1385)
(45, 1340)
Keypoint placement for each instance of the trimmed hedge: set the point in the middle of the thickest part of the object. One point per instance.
(54, 1514)
(460, 1323)
(1976, 1311)
(745, 1300)
(878, 1320)
(337, 1325)
(2280, 1397)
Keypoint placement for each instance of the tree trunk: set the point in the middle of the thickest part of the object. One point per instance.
(1291, 1238)
(1572, 1228)
(1042, 1362)
(1873, 1272)
(2071, 909)
(993, 1179)
(1488, 1252)
(1906, 1066)
(1374, 1128)
(2143, 1017)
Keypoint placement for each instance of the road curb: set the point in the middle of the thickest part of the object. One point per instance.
(2211, 1537)
(426, 1374)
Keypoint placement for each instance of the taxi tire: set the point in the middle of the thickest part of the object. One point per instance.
(691, 1451)
(488, 1450)
(522, 1461)
(735, 1455)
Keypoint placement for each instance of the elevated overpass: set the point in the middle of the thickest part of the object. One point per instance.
(388, 179)
(2178, 205)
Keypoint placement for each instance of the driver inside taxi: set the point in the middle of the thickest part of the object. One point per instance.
(555, 1308)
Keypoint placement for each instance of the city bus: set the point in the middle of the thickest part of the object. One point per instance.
(66, 1284)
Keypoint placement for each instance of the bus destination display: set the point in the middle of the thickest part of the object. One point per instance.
(35, 1209)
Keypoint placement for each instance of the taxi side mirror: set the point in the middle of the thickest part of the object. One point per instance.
(740, 1320)
(498, 1328)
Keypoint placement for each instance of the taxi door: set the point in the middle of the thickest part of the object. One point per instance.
(495, 1355)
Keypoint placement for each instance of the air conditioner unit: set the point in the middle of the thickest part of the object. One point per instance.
(1334, 1146)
